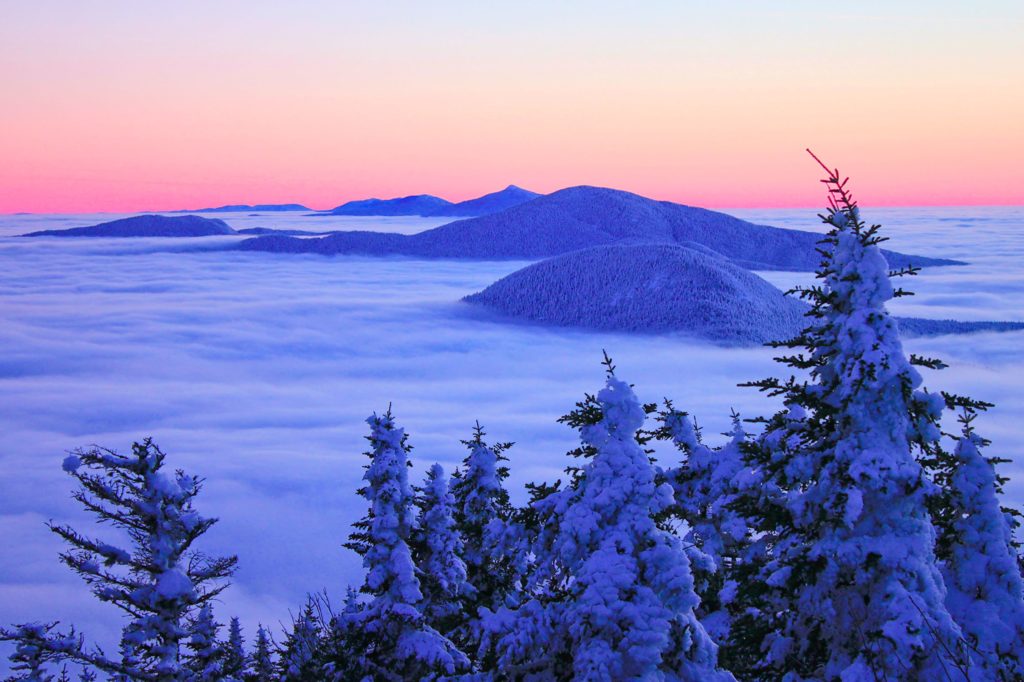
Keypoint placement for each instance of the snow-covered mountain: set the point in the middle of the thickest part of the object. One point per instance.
(146, 226)
(488, 203)
(417, 204)
(579, 218)
(647, 288)
(658, 288)
(238, 208)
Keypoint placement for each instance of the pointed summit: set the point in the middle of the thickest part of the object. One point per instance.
(488, 203)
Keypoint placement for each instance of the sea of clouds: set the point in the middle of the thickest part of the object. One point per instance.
(256, 371)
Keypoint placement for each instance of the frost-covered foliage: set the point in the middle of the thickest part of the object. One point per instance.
(263, 668)
(160, 580)
(482, 515)
(848, 586)
(437, 552)
(299, 656)
(205, 662)
(401, 644)
(31, 653)
(706, 485)
(579, 218)
(628, 610)
(985, 591)
(235, 658)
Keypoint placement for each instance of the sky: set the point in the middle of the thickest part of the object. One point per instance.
(128, 106)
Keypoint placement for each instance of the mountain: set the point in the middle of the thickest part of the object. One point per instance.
(659, 288)
(237, 208)
(647, 288)
(488, 203)
(581, 217)
(146, 226)
(419, 204)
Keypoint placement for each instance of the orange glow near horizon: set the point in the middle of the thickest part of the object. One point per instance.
(187, 105)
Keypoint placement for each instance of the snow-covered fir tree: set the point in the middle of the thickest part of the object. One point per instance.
(401, 645)
(705, 486)
(262, 668)
(159, 580)
(627, 611)
(437, 553)
(235, 659)
(482, 515)
(31, 653)
(983, 579)
(847, 585)
(206, 652)
(299, 657)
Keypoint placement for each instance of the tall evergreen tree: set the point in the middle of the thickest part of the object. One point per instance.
(401, 644)
(847, 586)
(437, 553)
(235, 659)
(160, 580)
(627, 611)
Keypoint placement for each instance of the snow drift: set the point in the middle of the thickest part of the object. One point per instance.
(583, 217)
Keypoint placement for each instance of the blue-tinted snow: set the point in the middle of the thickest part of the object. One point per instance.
(578, 218)
(659, 288)
(150, 225)
(257, 372)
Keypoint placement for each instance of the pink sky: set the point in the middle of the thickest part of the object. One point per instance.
(176, 105)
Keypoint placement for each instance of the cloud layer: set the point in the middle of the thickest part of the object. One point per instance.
(257, 370)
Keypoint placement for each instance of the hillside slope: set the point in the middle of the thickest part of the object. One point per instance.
(583, 217)
(146, 226)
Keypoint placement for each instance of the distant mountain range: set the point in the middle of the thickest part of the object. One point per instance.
(429, 205)
(165, 226)
(418, 204)
(658, 288)
(239, 208)
(582, 217)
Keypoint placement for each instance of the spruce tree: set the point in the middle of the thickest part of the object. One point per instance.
(207, 653)
(437, 553)
(627, 606)
(846, 583)
(482, 515)
(706, 484)
(235, 659)
(31, 652)
(299, 657)
(983, 579)
(159, 580)
(400, 642)
(263, 668)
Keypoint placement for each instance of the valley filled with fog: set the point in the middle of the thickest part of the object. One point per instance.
(257, 370)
